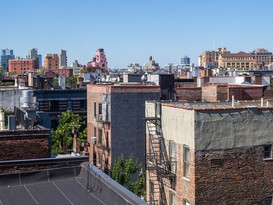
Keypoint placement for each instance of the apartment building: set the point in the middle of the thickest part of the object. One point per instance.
(51, 61)
(237, 60)
(262, 57)
(209, 59)
(209, 153)
(63, 58)
(20, 66)
(99, 61)
(116, 121)
(6, 55)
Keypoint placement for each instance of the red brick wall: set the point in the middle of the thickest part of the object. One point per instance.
(268, 94)
(244, 177)
(19, 144)
(190, 94)
(185, 84)
(245, 93)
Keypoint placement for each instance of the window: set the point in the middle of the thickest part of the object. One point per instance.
(172, 155)
(95, 131)
(216, 163)
(186, 202)
(95, 109)
(100, 160)
(107, 139)
(267, 151)
(100, 108)
(186, 158)
(172, 198)
(268, 201)
(100, 136)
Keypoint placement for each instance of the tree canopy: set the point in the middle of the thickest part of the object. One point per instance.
(62, 137)
(125, 171)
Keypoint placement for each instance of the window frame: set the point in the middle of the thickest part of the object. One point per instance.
(186, 164)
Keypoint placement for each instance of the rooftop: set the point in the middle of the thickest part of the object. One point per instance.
(221, 105)
(79, 183)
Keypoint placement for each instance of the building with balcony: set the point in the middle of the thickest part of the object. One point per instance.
(20, 66)
(99, 61)
(209, 59)
(209, 153)
(115, 121)
(51, 61)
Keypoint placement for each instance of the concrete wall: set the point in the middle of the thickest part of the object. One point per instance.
(9, 98)
(178, 126)
(226, 129)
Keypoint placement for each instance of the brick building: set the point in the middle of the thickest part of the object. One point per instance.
(115, 121)
(67, 72)
(209, 153)
(24, 144)
(51, 61)
(20, 66)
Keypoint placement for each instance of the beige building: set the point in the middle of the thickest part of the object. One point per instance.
(210, 58)
(237, 60)
(51, 61)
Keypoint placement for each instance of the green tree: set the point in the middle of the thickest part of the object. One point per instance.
(2, 73)
(71, 82)
(62, 137)
(124, 171)
(55, 82)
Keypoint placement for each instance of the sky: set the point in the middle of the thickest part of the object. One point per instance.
(131, 31)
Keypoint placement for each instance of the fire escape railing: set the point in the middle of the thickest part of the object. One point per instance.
(158, 160)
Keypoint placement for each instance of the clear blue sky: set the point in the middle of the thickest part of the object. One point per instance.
(130, 31)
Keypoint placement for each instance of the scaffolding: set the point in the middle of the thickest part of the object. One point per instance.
(161, 168)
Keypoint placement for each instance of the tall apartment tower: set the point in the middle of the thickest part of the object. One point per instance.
(6, 55)
(185, 60)
(100, 60)
(51, 61)
(32, 53)
(115, 121)
(63, 58)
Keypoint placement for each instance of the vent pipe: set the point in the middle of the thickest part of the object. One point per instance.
(232, 100)
(262, 102)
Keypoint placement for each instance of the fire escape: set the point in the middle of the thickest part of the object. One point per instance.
(160, 166)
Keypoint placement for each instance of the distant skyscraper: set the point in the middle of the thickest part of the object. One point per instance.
(32, 53)
(63, 59)
(6, 55)
(185, 60)
(40, 60)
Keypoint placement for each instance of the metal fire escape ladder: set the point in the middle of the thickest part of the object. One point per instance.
(158, 155)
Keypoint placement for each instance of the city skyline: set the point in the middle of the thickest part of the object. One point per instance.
(130, 32)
